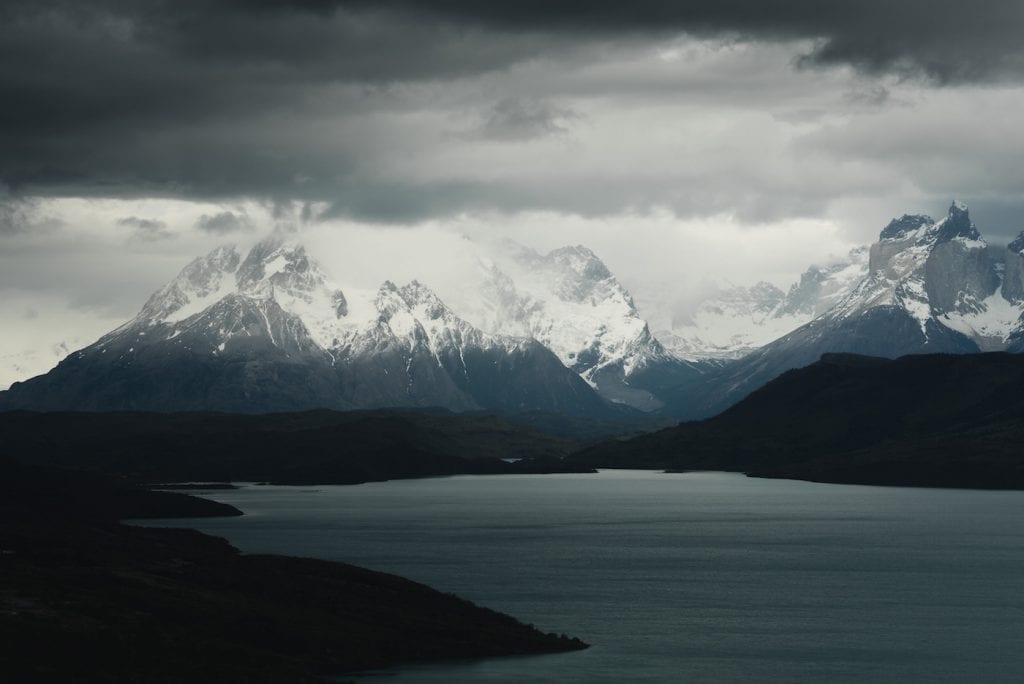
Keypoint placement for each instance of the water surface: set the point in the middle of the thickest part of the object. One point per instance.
(685, 577)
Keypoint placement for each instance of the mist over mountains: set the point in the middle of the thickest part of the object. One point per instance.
(557, 333)
(737, 319)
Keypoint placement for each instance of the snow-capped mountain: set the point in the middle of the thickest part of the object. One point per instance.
(735, 320)
(555, 332)
(569, 301)
(272, 331)
(935, 272)
(932, 287)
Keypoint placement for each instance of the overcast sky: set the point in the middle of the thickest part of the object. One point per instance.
(682, 141)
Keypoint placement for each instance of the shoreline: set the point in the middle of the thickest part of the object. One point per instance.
(82, 592)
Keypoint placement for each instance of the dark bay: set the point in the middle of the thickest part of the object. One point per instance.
(696, 576)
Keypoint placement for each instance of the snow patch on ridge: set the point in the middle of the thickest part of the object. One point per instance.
(200, 301)
(992, 325)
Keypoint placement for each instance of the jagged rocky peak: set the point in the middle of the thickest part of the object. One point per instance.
(403, 307)
(942, 275)
(416, 294)
(388, 300)
(569, 301)
(282, 263)
(202, 280)
(957, 224)
(908, 241)
(582, 261)
(905, 226)
(224, 258)
(576, 274)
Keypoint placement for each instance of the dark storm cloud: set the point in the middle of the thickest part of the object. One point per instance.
(223, 223)
(183, 98)
(195, 99)
(146, 230)
(945, 40)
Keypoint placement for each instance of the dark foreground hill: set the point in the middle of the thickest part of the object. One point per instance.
(83, 598)
(928, 420)
(313, 447)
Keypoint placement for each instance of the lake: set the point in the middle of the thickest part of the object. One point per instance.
(684, 577)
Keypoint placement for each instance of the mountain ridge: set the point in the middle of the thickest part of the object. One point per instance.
(942, 420)
(548, 333)
(271, 331)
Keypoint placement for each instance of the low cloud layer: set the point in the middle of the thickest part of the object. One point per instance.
(223, 223)
(144, 229)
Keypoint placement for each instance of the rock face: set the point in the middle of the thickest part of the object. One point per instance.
(926, 268)
(931, 287)
(272, 332)
(1013, 271)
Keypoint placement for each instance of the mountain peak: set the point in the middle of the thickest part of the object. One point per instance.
(280, 261)
(224, 254)
(392, 298)
(200, 283)
(580, 260)
(224, 258)
(904, 226)
(957, 224)
(416, 293)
